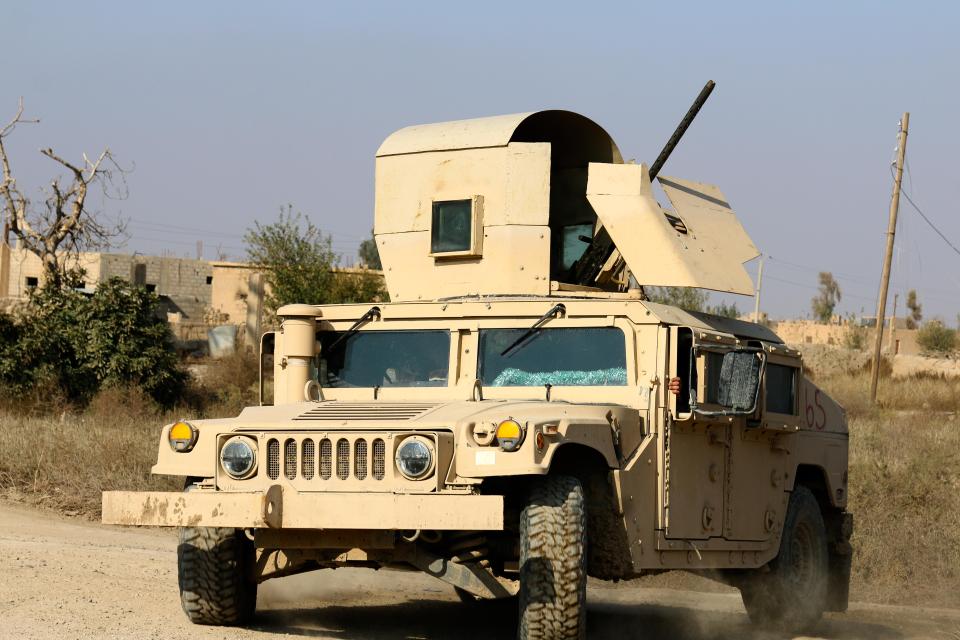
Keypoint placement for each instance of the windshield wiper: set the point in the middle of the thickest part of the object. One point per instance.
(556, 310)
(373, 312)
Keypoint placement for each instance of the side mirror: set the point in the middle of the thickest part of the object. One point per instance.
(738, 385)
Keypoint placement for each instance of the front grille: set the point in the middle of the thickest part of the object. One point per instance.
(326, 459)
(309, 459)
(273, 459)
(343, 459)
(290, 458)
(379, 459)
(360, 459)
(365, 411)
(351, 456)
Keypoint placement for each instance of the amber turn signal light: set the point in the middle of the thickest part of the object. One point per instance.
(182, 437)
(510, 435)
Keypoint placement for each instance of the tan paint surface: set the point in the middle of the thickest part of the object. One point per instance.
(304, 510)
(709, 218)
(660, 255)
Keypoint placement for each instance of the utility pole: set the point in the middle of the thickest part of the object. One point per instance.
(893, 325)
(888, 255)
(756, 297)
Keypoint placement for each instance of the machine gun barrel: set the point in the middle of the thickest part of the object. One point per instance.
(584, 271)
(681, 128)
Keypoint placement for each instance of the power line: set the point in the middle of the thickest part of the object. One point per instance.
(900, 282)
(927, 220)
(814, 287)
(163, 225)
(932, 226)
(814, 269)
(147, 229)
(338, 238)
(846, 276)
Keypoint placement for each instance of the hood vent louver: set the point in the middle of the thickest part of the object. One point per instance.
(337, 411)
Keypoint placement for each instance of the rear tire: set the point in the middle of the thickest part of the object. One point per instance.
(214, 567)
(790, 594)
(553, 576)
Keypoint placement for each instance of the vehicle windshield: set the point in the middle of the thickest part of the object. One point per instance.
(384, 359)
(588, 356)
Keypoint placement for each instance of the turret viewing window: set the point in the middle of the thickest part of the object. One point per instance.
(456, 227)
(574, 240)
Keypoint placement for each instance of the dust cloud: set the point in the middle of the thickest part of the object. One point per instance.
(395, 605)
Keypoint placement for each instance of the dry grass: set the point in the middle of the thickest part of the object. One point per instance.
(904, 488)
(905, 497)
(226, 385)
(920, 393)
(63, 458)
(64, 462)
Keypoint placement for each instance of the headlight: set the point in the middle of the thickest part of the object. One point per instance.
(510, 435)
(182, 437)
(238, 457)
(415, 457)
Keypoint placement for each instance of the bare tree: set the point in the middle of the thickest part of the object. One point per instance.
(827, 297)
(369, 254)
(916, 310)
(64, 225)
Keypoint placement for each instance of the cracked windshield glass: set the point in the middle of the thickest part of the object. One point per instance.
(594, 356)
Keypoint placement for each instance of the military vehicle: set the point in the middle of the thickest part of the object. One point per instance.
(520, 416)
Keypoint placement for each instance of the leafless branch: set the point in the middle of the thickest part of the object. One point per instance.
(66, 225)
(15, 204)
(17, 119)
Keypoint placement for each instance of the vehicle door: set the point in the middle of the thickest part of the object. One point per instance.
(696, 443)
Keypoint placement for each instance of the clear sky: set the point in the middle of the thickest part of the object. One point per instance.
(229, 110)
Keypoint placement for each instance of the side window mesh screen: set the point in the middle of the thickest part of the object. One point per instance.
(738, 380)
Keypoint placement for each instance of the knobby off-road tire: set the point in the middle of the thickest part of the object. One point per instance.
(553, 573)
(213, 566)
(792, 595)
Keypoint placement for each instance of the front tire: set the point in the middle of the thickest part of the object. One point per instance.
(791, 594)
(214, 567)
(553, 576)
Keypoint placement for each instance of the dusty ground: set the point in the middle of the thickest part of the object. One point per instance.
(62, 578)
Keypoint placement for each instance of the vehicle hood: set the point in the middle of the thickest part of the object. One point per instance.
(336, 414)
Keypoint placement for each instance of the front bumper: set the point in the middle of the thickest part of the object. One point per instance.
(285, 508)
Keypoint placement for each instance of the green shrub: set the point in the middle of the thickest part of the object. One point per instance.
(63, 340)
(302, 267)
(936, 338)
(855, 337)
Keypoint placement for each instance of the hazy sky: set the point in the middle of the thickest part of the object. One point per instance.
(229, 110)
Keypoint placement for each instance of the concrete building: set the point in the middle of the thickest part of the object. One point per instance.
(800, 332)
(194, 294)
(184, 285)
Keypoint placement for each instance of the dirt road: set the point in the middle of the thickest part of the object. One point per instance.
(63, 579)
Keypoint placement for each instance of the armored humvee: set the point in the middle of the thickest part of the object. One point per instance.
(520, 416)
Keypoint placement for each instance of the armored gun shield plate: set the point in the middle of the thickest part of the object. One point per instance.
(708, 217)
(701, 245)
